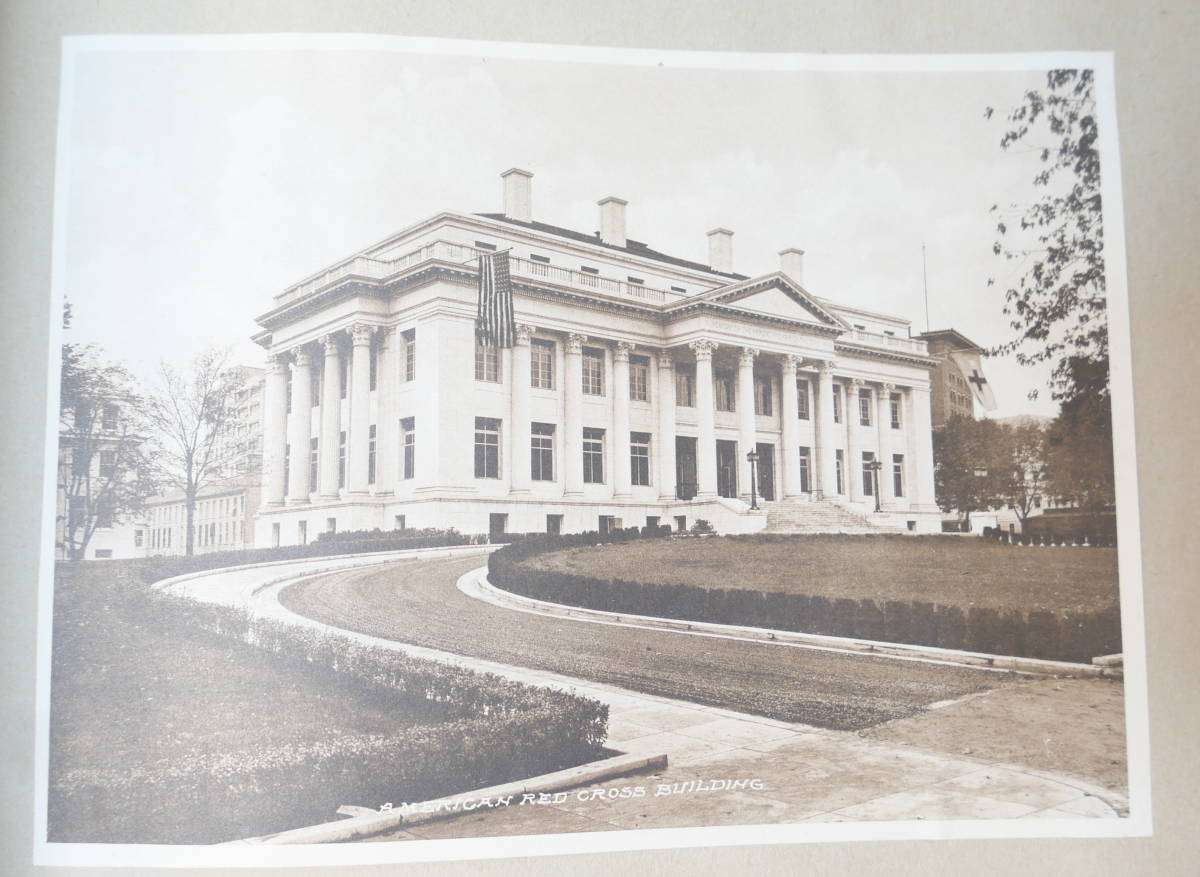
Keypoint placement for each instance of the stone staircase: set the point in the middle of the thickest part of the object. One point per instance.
(821, 517)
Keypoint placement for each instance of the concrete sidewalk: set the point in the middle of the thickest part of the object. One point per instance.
(803, 773)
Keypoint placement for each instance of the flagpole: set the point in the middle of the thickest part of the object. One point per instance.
(487, 253)
(925, 281)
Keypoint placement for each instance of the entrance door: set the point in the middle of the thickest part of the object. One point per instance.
(685, 467)
(766, 471)
(727, 464)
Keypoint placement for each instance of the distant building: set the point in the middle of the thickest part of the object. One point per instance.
(958, 380)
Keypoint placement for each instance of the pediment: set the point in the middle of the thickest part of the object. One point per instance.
(776, 296)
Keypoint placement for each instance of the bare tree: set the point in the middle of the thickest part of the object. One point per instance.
(1027, 444)
(193, 415)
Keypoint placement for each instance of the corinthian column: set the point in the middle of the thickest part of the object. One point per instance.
(622, 488)
(706, 441)
(665, 399)
(358, 440)
(745, 407)
(883, 418)
(275, 435)
(300, 428)
(519, 474)
(331, 418)
(789, 414)
(572, 440)
(825, 442)
(854, 485)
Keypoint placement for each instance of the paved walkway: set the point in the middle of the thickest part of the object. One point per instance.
(800, 773)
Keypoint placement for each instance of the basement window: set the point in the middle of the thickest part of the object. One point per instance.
(483, 245)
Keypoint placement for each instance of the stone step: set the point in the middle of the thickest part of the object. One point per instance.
(820, 517)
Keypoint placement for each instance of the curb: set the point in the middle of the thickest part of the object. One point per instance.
(450, 806)
(980, 660)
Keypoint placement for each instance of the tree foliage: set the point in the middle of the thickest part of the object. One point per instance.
(1057, 303)
(973, 465)
(1079, 447)
(194, 417)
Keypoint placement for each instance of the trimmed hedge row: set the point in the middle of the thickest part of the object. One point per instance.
(1075, 636)
(482, 730)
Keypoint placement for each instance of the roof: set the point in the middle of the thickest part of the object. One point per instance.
(632, 247)
(952, 337)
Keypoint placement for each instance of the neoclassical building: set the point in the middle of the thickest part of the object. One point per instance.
(637, 387)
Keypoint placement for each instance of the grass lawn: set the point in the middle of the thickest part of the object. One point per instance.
(953, 570)
(130, 694)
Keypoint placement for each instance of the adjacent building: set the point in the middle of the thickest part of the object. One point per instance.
(638, 386)
(958, 379)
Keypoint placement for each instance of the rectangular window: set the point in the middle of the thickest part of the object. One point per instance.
(331, 525)
(487, 447)
(685, 386)
(398, 522)
(137, 538)
(108, 463)
(593, 456)
(103, 553)
(343, 380)
(639, 379)
(588, 275)
(302, 532)
(837, 406)
(868, 475)
(541, 364)
(636, 281)
(538, 266)
(864, 407)
(409, 442)
(342, 458)
(541, 450)
(639, 458)
(840, 471)
(410, 354)
(762, 395)
(593, 372)
(484, 245)
(371, 454)
(726, 392)
(895, 404)
(898, 474)
(314, 387)
(803, 408)
(554, 524)
(109, 418)
(487, 363)
(805, 470)
(312, 462)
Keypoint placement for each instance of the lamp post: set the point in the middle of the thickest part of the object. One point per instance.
(753, 458)
(874, 466)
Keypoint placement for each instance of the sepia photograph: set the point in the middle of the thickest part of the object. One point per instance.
(468, 449)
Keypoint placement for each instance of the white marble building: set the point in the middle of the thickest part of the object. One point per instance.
(637, 386)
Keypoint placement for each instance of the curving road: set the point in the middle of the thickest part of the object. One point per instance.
(418, 603)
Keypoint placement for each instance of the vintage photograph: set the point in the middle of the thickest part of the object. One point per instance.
(608, 449)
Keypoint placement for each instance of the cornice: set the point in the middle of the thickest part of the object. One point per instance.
(894, 356)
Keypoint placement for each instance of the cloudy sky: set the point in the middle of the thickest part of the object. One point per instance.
(200, 183)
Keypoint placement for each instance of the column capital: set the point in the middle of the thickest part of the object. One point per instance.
(746, 356)
(331, 343)
(301, 357)
(621, 351)
(664, 358)
(525, 333)
(856, 383)
(887, 387)
(825, 366)
(575, 342)
(703, 349)
(360, 334)
(792, 361)
(277, 363)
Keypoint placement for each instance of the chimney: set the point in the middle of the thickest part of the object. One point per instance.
(518, 194)
(720, 250)
(791, 263)
(612, 221)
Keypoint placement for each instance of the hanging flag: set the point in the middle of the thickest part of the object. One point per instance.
(495, 325)
(968, 362)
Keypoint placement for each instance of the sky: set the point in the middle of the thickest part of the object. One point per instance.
(201, 183)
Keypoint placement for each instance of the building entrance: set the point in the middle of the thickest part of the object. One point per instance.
(766, 471)
(727, 465)
(685, 467)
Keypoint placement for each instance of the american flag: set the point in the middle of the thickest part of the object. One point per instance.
(495, 325)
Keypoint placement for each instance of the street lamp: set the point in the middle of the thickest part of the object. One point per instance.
(874, 466)
(753, 458)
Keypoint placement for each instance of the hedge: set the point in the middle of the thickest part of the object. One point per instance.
(1075, 537)
(484, 730)
(1074, 636)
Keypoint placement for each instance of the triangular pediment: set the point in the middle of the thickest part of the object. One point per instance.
(775, 295)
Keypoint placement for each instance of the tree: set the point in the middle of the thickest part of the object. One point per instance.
(972, 468)
(194, 419)
(1079, 449)
(1057, 305)
(1025, 445)
(103, 472)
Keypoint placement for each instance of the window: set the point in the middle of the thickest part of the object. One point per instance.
(302, 532)
(331, 525)
(636, 281)
(726, 392)
(805, 473)
(109, 418)
(837, 407)
(103, 553)
(554, 524)
(398, 522)
(898, 474)
(593, 372)
(342, 458)
(639, 458)
(639, 379)
(840, 471)
(864, 407)
(803, 408)
(541, 364)
(868, 457)
(541, 451)
(138, 537)
(343, 380)
(894, 401)
(679, 289)
(497, 524)
(685, 386)
(410, 353)
(314, 387)
(487, 447)
(409, 443)
(588, 275)
(762, 395)
(680, 523)
(108, 463)
(484, 245)
(312, 462)
(487, 363)
(539, 265)
(593, 456)
(371, 454)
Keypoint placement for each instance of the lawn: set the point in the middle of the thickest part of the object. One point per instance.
(959, 571)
